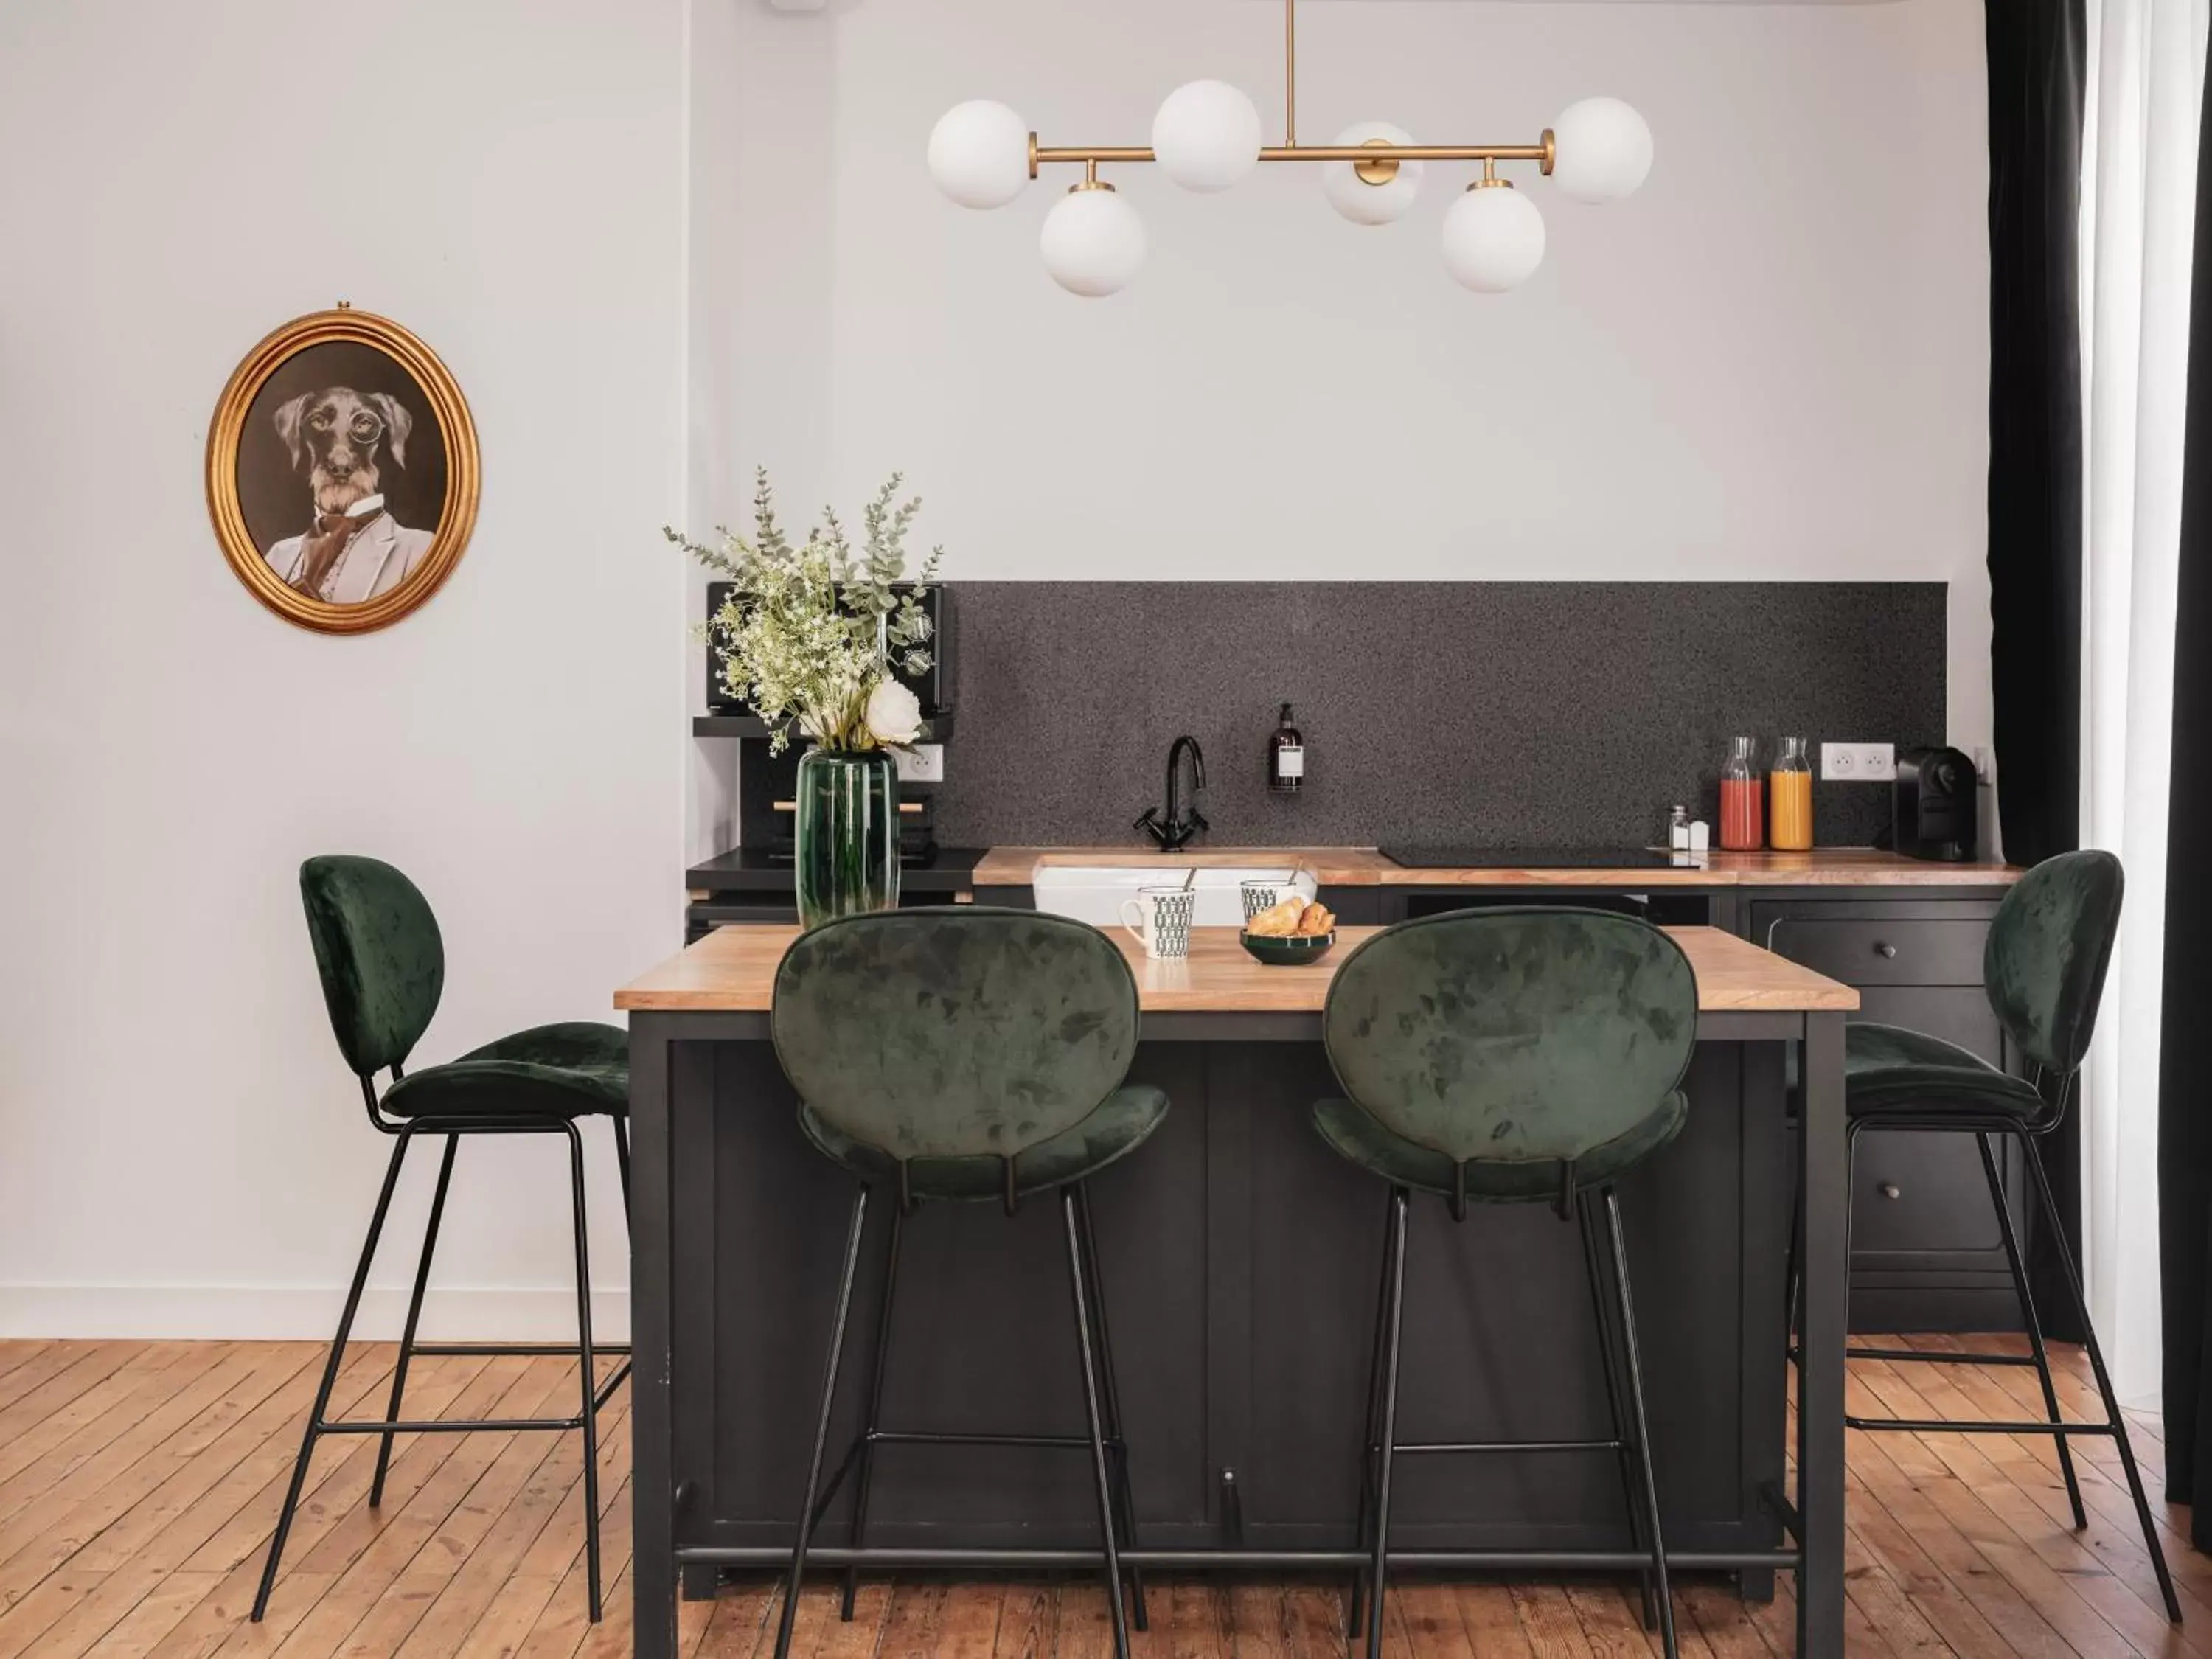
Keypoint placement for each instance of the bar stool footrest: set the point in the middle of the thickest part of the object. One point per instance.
(524, 1350)
(1939, 1425)
(1402, 1449)
(1917, 1356)
(451, 1426)
(931, 1438)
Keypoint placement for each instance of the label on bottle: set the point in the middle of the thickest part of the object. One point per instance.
(1291, 761)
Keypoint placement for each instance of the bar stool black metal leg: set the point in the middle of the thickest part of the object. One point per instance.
(821, 1424)
(1371, 1434)
(1613, 1415)
(1633, 1359)
(1117, 1442)
(622, 1159)
(1075, 1278)
(414, 1318)
(1379, 1570)
(2103, 1381)
(330, 1379)
(867, 1449)
(585, 1368)
(2013, 1259)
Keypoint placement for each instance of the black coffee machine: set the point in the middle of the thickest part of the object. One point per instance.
(1932, 806)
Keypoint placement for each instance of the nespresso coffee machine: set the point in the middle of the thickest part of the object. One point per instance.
(1932, 806)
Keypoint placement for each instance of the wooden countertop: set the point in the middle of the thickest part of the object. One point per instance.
(732, 970)
(1363, 866)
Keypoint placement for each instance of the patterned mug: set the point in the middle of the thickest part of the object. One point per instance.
(1163, 920)
(1264, 894)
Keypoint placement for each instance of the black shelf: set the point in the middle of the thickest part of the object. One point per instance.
(753, 870)
(936, 729)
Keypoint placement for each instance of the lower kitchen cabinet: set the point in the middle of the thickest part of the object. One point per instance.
(1926, 1246)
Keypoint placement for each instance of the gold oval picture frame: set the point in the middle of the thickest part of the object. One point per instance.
(342, 471)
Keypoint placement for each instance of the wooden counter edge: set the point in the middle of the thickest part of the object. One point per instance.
(732, 970)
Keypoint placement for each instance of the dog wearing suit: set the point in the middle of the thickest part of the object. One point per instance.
(356, 550)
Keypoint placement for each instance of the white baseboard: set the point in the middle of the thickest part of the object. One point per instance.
(240, 1313)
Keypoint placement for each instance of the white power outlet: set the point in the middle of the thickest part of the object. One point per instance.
(923, 764)
(1858, 762)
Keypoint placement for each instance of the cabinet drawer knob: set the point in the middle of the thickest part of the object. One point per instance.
(1885, 951)
(1889, 1189)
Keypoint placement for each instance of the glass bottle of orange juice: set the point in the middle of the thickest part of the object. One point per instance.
(1789, 799)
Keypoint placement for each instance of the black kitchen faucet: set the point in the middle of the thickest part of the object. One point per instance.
(1183, 819)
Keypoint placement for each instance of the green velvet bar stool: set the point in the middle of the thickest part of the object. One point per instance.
(2044, 970)
(1511, 1056)
(383, 966)
(966, 1054)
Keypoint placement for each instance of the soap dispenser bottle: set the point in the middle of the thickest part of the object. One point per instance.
(1286, 756)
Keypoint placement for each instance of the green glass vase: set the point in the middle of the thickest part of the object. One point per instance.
(849, 835)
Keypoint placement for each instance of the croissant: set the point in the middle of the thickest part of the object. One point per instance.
(1281, 920)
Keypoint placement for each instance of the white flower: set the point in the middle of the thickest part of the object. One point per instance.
(894, 714)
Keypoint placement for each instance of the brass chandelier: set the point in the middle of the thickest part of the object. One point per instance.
(1207, 137)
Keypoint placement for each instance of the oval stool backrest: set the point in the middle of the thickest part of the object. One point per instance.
(1513, 1036)
(2043, 966)
(955, 1032)
(377, 950)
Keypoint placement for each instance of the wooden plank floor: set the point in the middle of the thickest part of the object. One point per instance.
(139, 1481)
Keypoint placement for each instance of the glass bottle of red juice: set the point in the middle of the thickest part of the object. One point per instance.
(1743, 798)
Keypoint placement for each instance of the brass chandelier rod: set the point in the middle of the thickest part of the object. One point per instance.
(1043, 155)
(1377, 155)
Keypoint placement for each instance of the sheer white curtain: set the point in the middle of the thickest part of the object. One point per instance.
(2138, 211)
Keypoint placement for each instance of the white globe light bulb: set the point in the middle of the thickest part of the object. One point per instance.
(1093, 242)
(1353, 197)
(1601, 151)
(979, 154)
(1493, 238)
(1207, 135)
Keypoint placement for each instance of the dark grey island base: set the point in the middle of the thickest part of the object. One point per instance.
(1241, 1259)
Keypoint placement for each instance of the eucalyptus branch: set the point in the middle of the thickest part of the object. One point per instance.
(809, 633)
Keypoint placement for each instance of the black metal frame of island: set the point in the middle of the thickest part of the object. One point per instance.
(1239, 1257)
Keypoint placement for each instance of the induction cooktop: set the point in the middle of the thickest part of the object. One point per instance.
(1528, 858)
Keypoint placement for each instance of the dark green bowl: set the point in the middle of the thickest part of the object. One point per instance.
(1292, 952)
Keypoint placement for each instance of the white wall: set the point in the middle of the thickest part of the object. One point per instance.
(184, 1151)
(659, 240)
(1771, 364)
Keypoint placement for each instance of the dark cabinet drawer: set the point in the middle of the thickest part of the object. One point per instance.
(1921, 1195)
(1866, 950)
(1918, 1195)
(1926, 1246)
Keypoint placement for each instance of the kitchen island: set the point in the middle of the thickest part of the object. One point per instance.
(1239, 1257)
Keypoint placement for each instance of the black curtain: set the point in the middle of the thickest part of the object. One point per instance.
(2184, 1102)
(2036, 61)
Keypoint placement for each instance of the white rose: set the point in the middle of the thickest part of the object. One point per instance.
(894, 714)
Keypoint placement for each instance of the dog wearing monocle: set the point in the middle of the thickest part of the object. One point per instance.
(357, 550)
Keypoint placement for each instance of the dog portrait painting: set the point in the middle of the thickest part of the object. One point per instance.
(342, 471)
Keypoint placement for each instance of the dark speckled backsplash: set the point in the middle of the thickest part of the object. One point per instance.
(1487, 714)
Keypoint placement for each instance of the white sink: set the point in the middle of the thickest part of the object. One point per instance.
(1094, 892)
